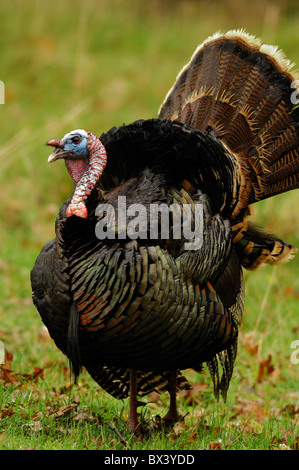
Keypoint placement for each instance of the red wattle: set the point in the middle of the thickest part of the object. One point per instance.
(85, 173)
(79, 210)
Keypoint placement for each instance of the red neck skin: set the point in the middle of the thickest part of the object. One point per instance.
(85, 174)
(76, 168)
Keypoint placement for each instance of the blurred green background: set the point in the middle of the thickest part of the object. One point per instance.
(90, 64)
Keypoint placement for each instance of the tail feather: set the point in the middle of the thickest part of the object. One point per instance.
(256, 249)
(243, 92)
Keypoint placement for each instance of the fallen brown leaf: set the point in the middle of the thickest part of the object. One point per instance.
(37, 373)
(8, 376)
(82, 415)
(290, 409)
(191, 438)
(290, 291)
(249, 408)
(65, 410)
(249, 342)
(99, 441)
(214, 446)
(179, 427)
(295, 444)
(265, 368)
(33, 426)
(192, 396)
(6, 412)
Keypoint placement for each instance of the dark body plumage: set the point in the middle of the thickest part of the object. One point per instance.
(148, 304)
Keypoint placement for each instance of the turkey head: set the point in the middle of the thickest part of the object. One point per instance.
(85, 158)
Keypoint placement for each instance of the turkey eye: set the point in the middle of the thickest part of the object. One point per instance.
(76, 140)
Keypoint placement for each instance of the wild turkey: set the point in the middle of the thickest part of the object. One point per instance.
(137, 307)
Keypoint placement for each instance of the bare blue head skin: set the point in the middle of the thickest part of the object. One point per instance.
(72, 145)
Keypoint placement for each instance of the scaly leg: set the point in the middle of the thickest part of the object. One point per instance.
(134, 426)
(172, 414)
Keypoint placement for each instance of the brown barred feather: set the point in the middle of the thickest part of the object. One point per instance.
(242, 91)
(256, 249)
(116, 381)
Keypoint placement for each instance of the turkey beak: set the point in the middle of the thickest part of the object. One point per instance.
(58, 152)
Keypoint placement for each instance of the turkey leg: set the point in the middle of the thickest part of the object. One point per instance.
(172, 414)
(134, 426)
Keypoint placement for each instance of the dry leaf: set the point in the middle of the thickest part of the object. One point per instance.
(250, 408)
(265, 368)
(65, 410)
(214, 446)
(192, 396)
(83, 416)
(290, 409)
(33, 426)
(250, 344)
(179, 427)
(8, 376)
(6, 411)
(295, 444)
(290, 291)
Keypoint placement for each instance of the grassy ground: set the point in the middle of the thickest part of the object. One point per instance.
(94, 65)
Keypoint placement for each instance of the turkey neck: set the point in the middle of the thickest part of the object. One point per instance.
(76, 168)
(85, 174)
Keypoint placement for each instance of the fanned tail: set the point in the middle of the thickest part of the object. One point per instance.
(243, 93)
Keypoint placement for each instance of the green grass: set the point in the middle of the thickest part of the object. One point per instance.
(94, 65)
